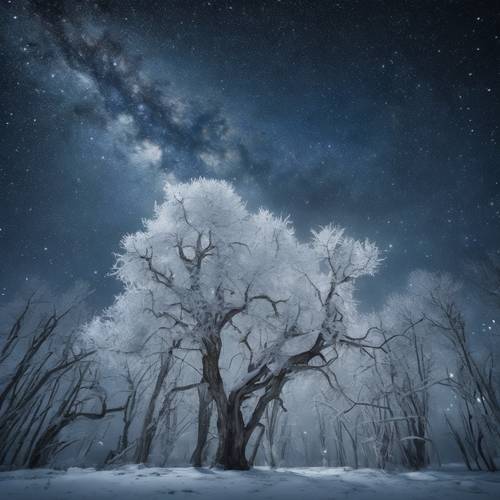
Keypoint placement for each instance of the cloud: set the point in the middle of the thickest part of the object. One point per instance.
(147, 153)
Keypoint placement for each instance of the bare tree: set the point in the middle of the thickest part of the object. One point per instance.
(48, 381)
(475, 382)
(72, 408)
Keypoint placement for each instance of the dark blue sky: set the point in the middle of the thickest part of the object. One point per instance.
(379, 116)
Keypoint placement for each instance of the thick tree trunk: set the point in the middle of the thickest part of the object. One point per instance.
(232, 440)
(230, 425)
(233, 433)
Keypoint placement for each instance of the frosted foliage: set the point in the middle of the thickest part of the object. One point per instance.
(346, 257)
(126, 328)
(442, 285)
(204, 265)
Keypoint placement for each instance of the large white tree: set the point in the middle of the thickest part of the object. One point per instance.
(240, 288)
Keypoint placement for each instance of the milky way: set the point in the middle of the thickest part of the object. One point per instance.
(380, 116)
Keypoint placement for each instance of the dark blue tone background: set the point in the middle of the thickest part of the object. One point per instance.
(380, 116)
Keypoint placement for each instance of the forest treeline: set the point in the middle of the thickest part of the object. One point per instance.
(233, 343)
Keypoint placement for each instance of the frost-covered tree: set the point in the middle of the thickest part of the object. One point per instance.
(259, 305)
(475, 378)
(401, 377)
(137, 352)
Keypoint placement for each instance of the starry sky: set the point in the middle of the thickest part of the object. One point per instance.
(380, 116)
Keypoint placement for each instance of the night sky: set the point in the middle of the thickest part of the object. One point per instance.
(380, 116)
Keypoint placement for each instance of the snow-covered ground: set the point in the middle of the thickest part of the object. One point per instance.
(290, 484)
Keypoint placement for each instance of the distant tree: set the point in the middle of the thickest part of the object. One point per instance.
(49, 378)
(475, 379)
(485, 274)
(275, 436)
(403, 376)
(139, 353)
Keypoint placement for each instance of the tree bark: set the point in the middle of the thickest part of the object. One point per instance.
(232, 440)
(149, 424)
(204, 416)
(233, 433)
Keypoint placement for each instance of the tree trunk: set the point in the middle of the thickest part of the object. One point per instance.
(422, 457)
(230, 425)
(149, 424)
(232, 440)
(232, 431)
(257, 445)
(204, 416)
(46, 445)
(231, 451)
